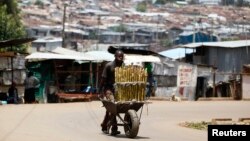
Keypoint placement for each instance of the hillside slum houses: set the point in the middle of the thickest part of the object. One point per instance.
(108, 22)
(212, 69)
(87, 29)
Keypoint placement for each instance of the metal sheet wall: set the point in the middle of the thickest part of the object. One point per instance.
(228, 59)
(245, 87)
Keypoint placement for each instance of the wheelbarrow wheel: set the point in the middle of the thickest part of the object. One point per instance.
(131, 127)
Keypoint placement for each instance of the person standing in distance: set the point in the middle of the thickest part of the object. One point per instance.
(107, 88)
(31, 83)
(13, 94)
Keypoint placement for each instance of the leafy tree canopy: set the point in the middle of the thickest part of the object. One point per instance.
(120, 28)
(11, 6)
(10, 25)
(141, 7)
(161, 1)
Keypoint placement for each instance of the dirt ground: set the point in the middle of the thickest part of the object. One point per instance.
(81, 121)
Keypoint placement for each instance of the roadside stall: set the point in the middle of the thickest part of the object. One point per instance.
(63, 77)
(12, 67)
(69, 75)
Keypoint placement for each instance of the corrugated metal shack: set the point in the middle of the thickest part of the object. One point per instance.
(246, 82)
(165, 75)
(226, 60)
(178, 78)
(228, 56)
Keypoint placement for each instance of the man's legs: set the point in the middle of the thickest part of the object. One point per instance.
(114, 129)
(113, 122)
(32, 95)
(27, 96)
(109, 119)
(105, 122)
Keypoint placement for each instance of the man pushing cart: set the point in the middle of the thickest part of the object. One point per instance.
(124, 93)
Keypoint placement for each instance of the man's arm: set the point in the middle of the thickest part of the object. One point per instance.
(103, 78)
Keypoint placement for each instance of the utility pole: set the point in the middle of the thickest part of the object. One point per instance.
(194, 32)
(121, 25)
(98, 31)
(195, 21)
(64, 20)
(212, 29)
(157, 24)
(63, 31)
(121, 31)
(245, 30)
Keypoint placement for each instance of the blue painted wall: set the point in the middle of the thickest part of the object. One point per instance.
(199, 37)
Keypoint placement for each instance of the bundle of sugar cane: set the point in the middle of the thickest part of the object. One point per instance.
(130, 83)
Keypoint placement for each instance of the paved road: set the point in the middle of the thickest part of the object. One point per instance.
(81, 121)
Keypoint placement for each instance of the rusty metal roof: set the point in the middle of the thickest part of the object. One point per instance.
(14, 42)
(131, 50)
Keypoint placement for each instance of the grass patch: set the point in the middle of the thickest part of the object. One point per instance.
(196, 125)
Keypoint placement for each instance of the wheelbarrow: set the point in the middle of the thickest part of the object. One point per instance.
(131, 120)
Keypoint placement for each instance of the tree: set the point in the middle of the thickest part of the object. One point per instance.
(93, 35)
(141, 7)
(11, 6)
(120, 28)
(166, 43)
(10, 24)
(161, 1)
(164, 1)
(227, 2)
(39, 3)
